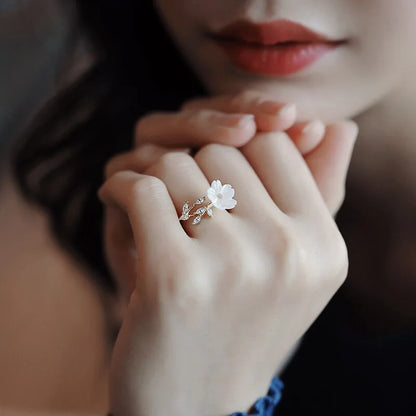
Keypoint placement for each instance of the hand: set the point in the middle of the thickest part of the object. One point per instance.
(232, 120)
(215, 327)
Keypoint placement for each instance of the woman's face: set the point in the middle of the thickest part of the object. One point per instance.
(349, 54)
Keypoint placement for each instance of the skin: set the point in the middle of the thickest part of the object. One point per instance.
(341, 85)
(188, 295)
(358, 80)
(371, 78)
(372, 85)
(158, 132)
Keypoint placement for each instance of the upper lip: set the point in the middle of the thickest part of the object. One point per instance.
(269, 33)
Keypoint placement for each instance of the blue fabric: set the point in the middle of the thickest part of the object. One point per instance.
(265, 406)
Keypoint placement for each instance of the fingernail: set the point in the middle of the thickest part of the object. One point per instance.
(314, 129)
(246, 121)
(237, 120)
(271, 108)
(287, 110)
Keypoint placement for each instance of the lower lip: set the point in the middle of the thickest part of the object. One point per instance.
(278, 60)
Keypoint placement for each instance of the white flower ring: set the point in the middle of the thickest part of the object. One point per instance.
(221, 197)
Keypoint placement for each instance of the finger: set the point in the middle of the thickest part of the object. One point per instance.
(150, 211)
(120, 249)
(330, 160)
(185, 182)
(227, 164)
(139, 159)
(269, 115)
(284, 173)
(195, 128)
(307, 135)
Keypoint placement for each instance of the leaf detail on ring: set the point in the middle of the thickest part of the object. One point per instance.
(185, 208)
(196, 220)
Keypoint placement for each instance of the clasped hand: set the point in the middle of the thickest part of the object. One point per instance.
(213, 309)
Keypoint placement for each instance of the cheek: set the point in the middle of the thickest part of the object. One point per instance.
(189, 20)
(387, 35)
(181, 18)
(184, 17)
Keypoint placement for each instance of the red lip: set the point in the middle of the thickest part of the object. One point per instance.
(281, 47)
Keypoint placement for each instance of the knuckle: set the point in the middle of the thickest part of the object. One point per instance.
(211, 150)
(186, 287)
(287, 250)
(199, 117)
(303, 269)
(307, 265)
(147, 187)
(193, 293)
(173, 160)
(340, 261)
(141, 127)
(294, 258)
(277, 138)
(111, 167)
(147, 152)
(265, 141)
(225, 135)
(337, 200)
(189, 116)
(136, 160)
(333, 264)
(247, 96)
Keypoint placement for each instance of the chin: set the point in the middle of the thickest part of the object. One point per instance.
(310, 104)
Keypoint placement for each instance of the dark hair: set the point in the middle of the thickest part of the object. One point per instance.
(59, 164)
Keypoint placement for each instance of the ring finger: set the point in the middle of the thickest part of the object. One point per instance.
(231, 167)
(185, 181)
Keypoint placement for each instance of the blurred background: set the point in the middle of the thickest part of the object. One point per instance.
(38, 40)
(53, 346)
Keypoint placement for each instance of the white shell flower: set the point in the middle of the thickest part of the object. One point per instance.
(221, 196)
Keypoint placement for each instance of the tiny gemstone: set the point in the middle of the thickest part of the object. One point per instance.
(199, 201)
(200, 210)
(197, 220)
(185, 208)
(209, 212)
(184, 217)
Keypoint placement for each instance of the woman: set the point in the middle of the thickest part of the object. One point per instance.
(208, 320)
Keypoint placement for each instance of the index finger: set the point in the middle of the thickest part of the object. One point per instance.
(150, 210)
(195, 128)
(270, 115)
